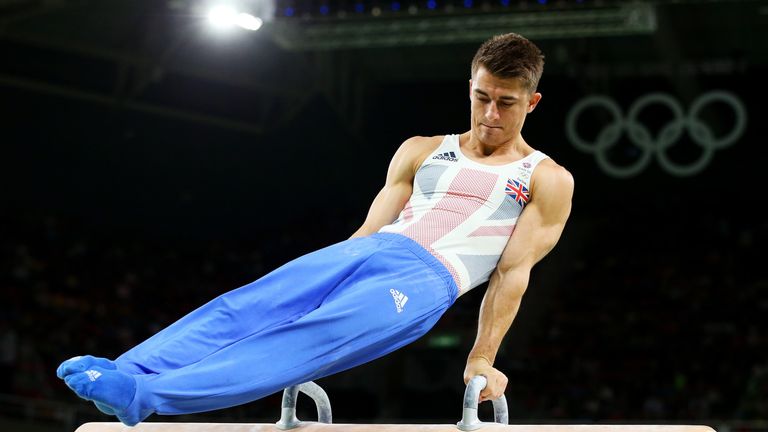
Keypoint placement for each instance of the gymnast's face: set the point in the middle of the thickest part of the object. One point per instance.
(499, 107)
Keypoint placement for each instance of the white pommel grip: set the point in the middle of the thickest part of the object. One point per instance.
(469, 420)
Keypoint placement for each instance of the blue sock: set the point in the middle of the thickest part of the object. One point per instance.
(112, 389)
(81, 364)
(103, 408)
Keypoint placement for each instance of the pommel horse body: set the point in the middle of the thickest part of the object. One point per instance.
(469, 420)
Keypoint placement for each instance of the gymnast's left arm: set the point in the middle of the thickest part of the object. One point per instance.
(537, 231)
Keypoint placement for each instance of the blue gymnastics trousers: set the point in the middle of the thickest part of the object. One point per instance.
(322, 313)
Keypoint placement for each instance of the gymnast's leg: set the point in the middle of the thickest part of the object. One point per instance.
(278, 297)
(356, 322)
(282, 296)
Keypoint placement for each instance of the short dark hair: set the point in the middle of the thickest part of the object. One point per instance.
(510, 55)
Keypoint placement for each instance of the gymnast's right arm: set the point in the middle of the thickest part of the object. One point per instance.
(391, 199)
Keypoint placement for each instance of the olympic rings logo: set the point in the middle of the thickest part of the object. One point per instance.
(668, 135)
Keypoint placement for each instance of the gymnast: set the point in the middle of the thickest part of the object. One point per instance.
(455, 211)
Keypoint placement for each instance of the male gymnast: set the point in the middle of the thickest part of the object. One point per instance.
(455, 211)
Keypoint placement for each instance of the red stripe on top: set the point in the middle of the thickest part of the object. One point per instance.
(448, 265)
(408, 212)
(467, 193)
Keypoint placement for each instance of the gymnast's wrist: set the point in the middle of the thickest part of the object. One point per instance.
(479, 357)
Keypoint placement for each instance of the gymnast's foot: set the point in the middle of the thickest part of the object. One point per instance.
(104, 408)
(83, 363)
(111, 390)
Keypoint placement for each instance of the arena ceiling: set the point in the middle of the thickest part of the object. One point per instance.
(129, 53)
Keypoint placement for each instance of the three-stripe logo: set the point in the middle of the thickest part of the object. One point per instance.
(449, 156)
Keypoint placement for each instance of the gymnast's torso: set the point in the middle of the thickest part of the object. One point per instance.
(463, 212)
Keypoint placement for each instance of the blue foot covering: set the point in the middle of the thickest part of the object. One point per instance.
(103, 408)
(83, 363)
(111, 389)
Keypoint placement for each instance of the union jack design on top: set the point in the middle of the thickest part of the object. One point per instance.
(518, 192)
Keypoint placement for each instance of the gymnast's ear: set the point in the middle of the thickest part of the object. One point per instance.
(533, 101)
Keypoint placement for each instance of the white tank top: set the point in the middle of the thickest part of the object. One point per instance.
(463, 212)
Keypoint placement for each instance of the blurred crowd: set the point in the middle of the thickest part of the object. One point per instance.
(667, 327)
(670, 326)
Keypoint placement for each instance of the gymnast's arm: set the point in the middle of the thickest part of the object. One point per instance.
(536, 233)
(391, 199)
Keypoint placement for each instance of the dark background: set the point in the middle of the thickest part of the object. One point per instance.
(147, 165)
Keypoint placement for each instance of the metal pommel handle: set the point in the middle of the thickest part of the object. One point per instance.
(288, 418)
(469, 420)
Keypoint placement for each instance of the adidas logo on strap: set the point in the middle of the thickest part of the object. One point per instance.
(93, 375)
(449, 156)
(400, 299)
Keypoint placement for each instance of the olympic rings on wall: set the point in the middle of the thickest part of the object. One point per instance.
(670, 133)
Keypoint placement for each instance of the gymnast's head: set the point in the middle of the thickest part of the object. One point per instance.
(510, 56)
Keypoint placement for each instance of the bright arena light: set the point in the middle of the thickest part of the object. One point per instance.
(248, 21)
(222, 16)
(245, 14)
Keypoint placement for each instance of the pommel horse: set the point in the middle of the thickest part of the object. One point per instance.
(469, 420)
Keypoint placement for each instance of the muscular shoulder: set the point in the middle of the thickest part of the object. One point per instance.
(415, 149)
(552, 181)
(423, 144)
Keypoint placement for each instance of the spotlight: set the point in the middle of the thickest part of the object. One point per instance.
(246, 14)
(248, 21)
(222, 16)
